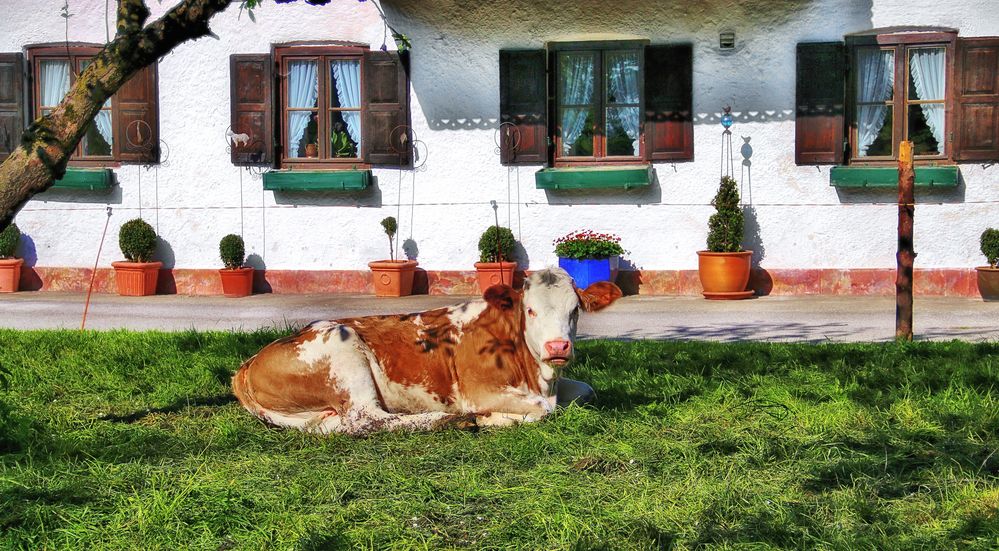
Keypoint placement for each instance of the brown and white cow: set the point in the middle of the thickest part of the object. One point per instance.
(491, 362)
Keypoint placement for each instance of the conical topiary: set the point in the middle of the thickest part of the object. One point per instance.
(726, 225)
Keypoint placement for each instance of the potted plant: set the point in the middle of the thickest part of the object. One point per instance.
(237, 280)
(10, 267)
(988, 276)
(495, 265)
(392, 278)
(724, 268)
(136, 277)
(589, 256)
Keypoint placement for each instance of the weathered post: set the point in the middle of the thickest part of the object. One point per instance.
(906, 256)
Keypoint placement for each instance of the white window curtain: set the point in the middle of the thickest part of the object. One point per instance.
(347, 75)
(577, 89)
(928, 69)
(303, 89)
(55, 81)
(622, 76)
(103, 118)
(876, 77)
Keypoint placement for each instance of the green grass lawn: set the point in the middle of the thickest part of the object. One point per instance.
(124, 440)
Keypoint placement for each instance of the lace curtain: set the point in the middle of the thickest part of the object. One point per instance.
(347, 76)
(876, 69)
(928, 77)
(622, 84)
(576, 74)
(303, 89)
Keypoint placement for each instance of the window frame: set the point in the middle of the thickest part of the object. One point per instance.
(322, 54)
(901, 43)
(75, 54)
(601, 48)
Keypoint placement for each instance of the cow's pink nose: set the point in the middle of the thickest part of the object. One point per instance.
(558, 347)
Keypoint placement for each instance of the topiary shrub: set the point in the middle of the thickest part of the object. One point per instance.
(726, 225)
(390, 226)
(232, 251)
(8, 240)
(496, 239)
(990, 246)
(137, 240)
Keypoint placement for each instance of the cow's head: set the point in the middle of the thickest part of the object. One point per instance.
(550, 306)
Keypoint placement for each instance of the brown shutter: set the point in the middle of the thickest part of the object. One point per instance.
(12, 104)
(385, 131)
(523, 104)
(669, 117)
(976, 118)
(251, 101)
(820, 96)
(136, 109)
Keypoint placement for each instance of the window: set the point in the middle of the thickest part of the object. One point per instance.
(599, 101)
(900, 93)
(321, 96)
(618, 102)
(857, 100)
(125, 128)
(337, 107)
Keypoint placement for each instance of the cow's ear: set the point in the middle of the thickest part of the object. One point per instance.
(598, 295)
(502, 297)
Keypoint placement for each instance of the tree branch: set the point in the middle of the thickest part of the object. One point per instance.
(132, 15)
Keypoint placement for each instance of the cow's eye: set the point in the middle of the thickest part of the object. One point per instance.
(531, 312)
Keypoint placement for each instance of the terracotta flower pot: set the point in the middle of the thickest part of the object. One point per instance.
(988, 282)
(311, 150)
(724, 276)
(494, 273)
(10, 274)
(237, 283)
(393, 278)
(136, 279)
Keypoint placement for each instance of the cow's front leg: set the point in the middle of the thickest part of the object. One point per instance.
(515, 406)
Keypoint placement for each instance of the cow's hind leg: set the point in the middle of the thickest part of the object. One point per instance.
(366, 421)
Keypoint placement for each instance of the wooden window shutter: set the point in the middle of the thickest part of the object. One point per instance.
(251, 101)
(136, 108)
(976, 119)
(669, 116)
(386, 139)
(12, 102)
(820, 96)
(523, 104)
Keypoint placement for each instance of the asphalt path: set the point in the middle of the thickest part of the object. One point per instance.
(798, 318)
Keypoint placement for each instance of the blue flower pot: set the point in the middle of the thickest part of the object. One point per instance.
(590, 270)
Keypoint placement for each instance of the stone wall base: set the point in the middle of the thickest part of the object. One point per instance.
(961, 282)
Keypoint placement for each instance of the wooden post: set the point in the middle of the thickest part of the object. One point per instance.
(906, 256)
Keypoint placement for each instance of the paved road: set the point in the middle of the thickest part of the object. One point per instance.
(804, 318)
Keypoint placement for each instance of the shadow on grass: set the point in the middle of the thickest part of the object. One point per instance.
(176, 407)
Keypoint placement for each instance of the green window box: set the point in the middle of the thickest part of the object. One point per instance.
(317, 180)
(887, 177)
(598, 177)
(93, 179)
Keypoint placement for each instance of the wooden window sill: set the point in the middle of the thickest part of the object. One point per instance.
(887, 176)
(92, 179)
(593, 177)
(317, 180)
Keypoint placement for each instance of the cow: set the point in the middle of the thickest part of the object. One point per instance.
(489, 362)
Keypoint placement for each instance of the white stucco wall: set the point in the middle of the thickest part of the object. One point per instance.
(197, 196)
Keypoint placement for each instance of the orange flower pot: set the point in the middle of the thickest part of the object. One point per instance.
(494, 273)
(724, 276)
(393, 278)
(136, 279)
(237, 283)
(10, 274)
(988, 283)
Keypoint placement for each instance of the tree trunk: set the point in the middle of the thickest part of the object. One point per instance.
(50, 140)
(906, 256)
